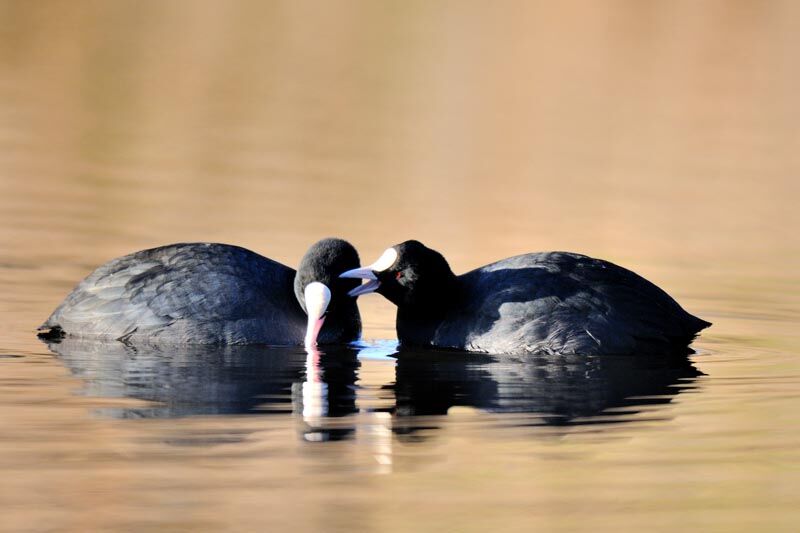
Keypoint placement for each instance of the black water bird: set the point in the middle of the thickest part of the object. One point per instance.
(206, 293)
(551, 302)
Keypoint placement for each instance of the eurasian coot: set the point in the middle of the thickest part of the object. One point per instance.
(552, 302)
(206, 293)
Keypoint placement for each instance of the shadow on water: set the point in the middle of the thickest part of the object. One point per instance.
(321, 388)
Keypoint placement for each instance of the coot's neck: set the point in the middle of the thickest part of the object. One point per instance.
(418, 321)
(437, 299)
(342, 323)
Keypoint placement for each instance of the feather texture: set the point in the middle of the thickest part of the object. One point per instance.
(556, 302)
(189, 293)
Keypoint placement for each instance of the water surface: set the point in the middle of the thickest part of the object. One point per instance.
(664, 136)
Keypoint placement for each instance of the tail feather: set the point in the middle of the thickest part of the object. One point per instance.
(48, 332)
(695, 325)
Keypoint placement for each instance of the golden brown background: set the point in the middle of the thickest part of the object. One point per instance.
(663, 135)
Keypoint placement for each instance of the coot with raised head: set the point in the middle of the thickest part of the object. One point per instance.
(551, 302)
(206, 293)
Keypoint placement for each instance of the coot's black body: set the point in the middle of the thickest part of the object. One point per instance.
(206, 293)
(553, 302)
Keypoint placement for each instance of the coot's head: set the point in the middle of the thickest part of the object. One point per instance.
(408, 274)
(324, 296)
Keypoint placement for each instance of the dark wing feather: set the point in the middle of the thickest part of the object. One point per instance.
(196, 292)
(562, 302)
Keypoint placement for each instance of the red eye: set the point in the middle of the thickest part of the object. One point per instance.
(399, 275)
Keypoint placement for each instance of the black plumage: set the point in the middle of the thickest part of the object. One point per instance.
(552, 302)
(206, 293)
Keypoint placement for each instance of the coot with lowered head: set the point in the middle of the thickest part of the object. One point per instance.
(551, 302)
(206, 293)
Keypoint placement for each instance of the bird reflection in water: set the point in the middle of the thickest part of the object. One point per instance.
(213, 380)
(552, 390)
(327, 393)
(319, 387)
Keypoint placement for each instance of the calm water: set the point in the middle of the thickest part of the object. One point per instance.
(664, 136)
